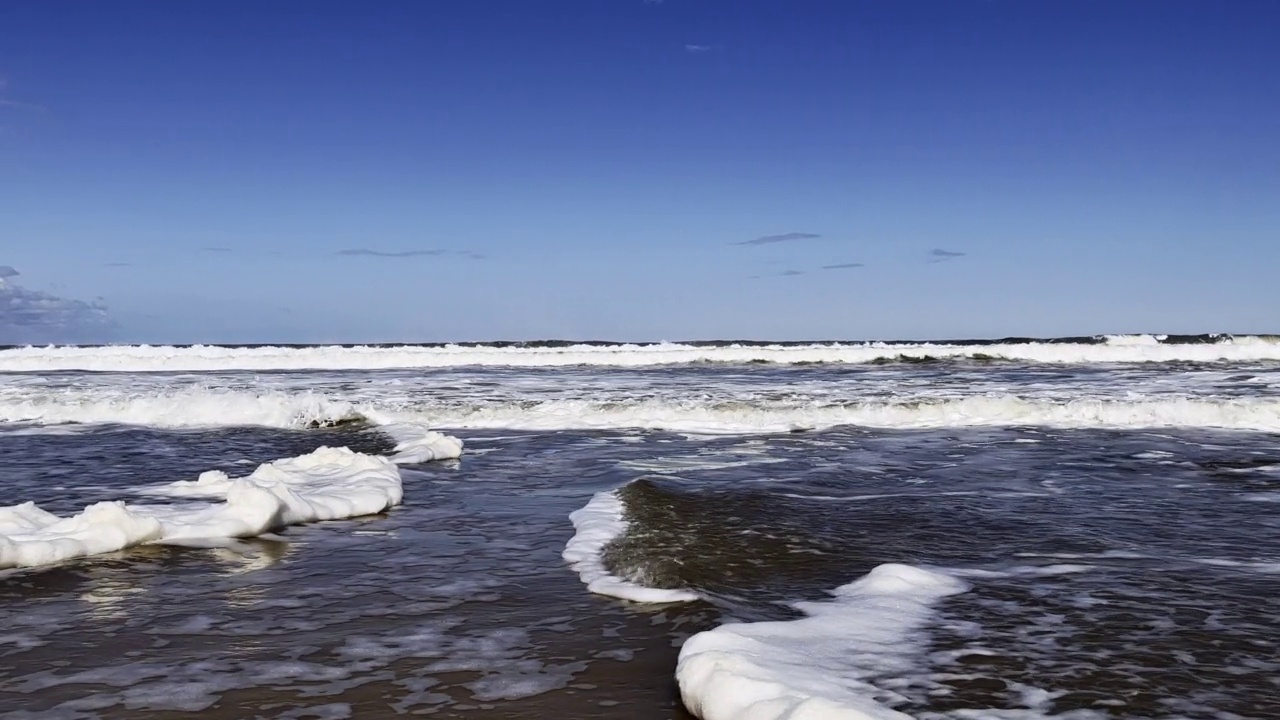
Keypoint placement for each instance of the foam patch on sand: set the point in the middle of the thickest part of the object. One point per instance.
(328, 484)
(821, 666)
(599, 523)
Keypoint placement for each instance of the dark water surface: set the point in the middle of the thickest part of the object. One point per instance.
(1121, 574)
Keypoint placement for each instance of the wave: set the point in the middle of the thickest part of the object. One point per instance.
(328, 484)
(197, 407)
(190, 407)
(201, 358)
(819, 666)
(765, 417)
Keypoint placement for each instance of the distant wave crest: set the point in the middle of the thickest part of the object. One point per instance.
(200, 358)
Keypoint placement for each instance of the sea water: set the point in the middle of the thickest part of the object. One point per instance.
(1027, 529)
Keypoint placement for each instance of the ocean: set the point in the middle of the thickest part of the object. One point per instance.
(1076, 528)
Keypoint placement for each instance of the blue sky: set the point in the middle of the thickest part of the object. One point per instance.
(623, 169)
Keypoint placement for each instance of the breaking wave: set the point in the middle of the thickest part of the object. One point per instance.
(190, 407)
(196, 407)
(198, 358)
(599, 523)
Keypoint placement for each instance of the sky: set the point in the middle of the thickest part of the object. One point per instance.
(248, 172)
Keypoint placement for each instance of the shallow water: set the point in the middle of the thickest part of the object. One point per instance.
(454, 601)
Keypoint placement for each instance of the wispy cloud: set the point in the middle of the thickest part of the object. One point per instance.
(784, 237)
(216, 249)
(6, 102)
(22, 105)
(692, 48)
(790, 273)
(938, 255)
(843, 266)
(117, 264)
(31, 316)
(366, 252)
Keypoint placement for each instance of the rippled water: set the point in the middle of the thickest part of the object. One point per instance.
(1130, 574)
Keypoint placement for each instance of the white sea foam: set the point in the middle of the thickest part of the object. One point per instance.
(599, 523)
(768, 417)
(328, 484)
(821, 666)
(31, 536)
(416, 443)
(1027, 571)
(1134, 340)
(1258, 566)
(147, 358)
(403, 416)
